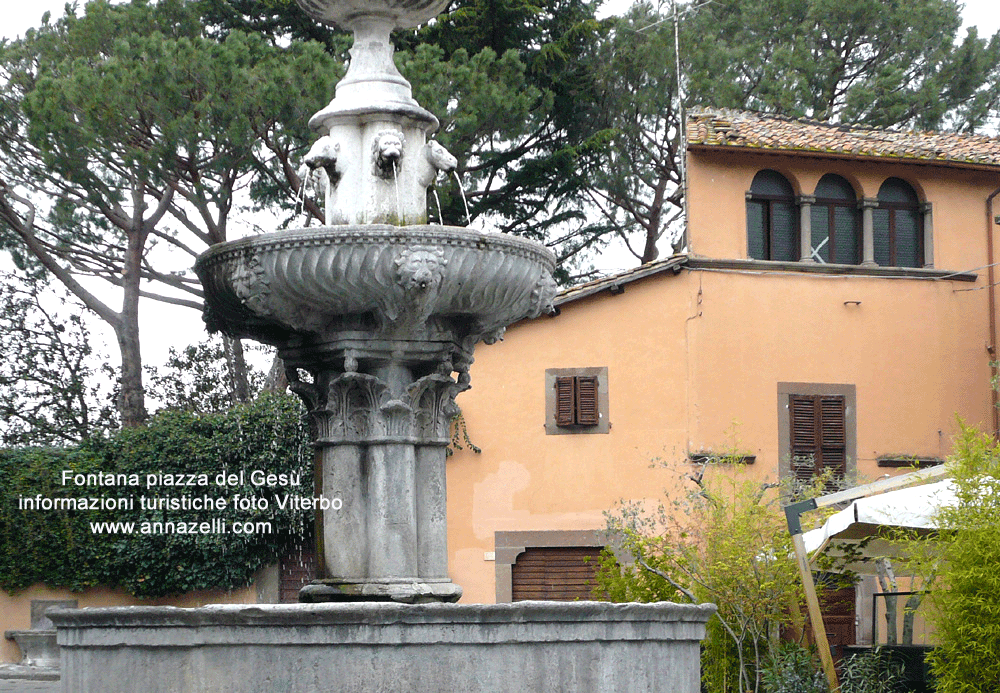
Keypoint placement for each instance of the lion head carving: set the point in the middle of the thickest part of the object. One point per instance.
(420, 268)
(388, 150)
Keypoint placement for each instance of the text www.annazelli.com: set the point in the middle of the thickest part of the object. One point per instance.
(216, 526)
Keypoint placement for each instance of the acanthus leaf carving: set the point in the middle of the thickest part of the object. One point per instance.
(433, 398)
(353, 407)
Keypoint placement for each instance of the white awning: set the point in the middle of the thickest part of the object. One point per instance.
(868, 525)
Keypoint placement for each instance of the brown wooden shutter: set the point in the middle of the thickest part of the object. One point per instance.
(838, 607)
(819, 435)
(557, 573)
(803, 415)
(565, 400)
(587, 412)
(833, 434)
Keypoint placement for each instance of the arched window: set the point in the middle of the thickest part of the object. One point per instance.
(836, 222)
(898, 226)
(772, 228)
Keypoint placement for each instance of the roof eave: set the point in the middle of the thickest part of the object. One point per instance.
(822, 154)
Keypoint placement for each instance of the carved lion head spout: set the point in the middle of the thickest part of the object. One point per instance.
(388, 150)
(420, 269)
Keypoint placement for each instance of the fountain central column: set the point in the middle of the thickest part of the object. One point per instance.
(382, 419)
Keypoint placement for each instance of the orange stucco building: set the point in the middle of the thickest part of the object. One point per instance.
(836, 309)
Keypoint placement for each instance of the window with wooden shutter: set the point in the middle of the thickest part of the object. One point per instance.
(818, 435)
(576, 400)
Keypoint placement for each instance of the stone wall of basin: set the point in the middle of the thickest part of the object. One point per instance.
(353, 648)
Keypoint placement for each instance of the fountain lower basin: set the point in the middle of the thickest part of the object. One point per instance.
(413, 283)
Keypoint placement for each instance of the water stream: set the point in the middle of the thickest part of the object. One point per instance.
(437, 201)
(399, 208)
(468, 217)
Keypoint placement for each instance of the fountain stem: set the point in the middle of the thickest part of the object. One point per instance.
(372, 72)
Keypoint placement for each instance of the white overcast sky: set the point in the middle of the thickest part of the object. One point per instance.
(17, 17)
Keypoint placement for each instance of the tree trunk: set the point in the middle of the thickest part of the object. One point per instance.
(277, 379)
(236, 362)
(887, 580)
(132, 396)
(909, 614)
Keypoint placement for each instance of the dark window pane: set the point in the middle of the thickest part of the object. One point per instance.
(771, 183)
(756, 247)
(883, 244)
(821, 231)
(834, 187)
(784, 239)
(897, 191)
(908, 231)
(846, 236)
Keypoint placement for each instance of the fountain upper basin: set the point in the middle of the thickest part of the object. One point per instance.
(409, 283)
(403, 14)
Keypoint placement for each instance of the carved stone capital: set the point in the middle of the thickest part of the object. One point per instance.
(433, 401)
(359, 409)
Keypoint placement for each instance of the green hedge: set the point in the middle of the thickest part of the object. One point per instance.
(59, 548)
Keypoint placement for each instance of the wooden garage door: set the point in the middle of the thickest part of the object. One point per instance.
(557, 573)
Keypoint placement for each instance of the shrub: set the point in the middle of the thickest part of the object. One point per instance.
(793, 669)
(60, 548)
(870, 672)
(961, 569)
(725, 543)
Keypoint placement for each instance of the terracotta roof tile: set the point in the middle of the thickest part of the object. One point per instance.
(720, 127)
(616, 283)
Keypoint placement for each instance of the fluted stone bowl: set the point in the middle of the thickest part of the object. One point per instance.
(404, 14)
(387, 282)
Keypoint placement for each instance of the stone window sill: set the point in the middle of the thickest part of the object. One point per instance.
(697, 263)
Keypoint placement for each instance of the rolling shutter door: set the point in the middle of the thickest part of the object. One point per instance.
(557, 573)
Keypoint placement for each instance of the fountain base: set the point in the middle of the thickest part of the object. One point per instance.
(507, 648)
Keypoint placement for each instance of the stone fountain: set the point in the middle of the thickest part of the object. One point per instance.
(376, 315)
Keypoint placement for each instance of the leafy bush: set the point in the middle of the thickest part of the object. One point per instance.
(793, 669)
(870, 672)
(727, 543)
(59, 548)
(960, 565)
